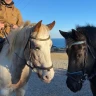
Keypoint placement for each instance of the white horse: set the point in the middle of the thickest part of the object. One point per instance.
(25, 49)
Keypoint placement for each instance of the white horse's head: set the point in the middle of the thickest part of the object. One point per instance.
(34, 46)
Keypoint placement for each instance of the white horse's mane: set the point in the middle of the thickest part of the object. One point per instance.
(18, 33)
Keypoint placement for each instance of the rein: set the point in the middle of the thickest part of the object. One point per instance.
(83, 74)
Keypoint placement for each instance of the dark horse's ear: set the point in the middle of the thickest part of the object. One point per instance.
(76, 34)
(37, 26)
(64, 34)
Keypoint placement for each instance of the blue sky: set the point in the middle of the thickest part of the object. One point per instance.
(66, 13)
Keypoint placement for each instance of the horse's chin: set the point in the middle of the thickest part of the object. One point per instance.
(46, 81)
(73, 89)
(73, 86)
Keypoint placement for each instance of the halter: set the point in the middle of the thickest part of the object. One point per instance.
(41, 39)
(82, 73)
(38, 67)
(78, 43)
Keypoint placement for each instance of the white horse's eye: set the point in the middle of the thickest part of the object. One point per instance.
(37, 48)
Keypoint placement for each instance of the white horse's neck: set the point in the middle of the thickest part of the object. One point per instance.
(4, 60)
(13, 62)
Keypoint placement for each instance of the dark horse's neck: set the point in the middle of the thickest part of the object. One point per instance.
(90, 61)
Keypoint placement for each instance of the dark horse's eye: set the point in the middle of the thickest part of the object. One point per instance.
(75, 47)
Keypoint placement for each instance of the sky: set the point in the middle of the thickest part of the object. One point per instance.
(66, 13)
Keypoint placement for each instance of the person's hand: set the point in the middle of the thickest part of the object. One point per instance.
(1, 25)
(15, 26)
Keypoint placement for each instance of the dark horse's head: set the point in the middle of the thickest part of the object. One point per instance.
(77, 51)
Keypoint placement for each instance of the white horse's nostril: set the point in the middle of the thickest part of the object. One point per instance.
(46, 77)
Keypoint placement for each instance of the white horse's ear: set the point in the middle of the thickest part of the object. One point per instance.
(51, 25)
(37, 26)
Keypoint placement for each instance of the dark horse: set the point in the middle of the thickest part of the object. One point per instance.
(81, 51)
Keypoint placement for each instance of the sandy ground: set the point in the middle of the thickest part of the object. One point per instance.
(57, 87)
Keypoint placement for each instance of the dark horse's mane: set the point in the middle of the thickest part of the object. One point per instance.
(89, 32)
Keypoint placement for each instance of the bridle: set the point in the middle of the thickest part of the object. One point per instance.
(82, 73)
(34, 66)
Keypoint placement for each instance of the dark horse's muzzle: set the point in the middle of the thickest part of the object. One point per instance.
(72, 85)
(75, 80)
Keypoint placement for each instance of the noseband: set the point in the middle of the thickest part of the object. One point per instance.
(38, 67)
(82, 73)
